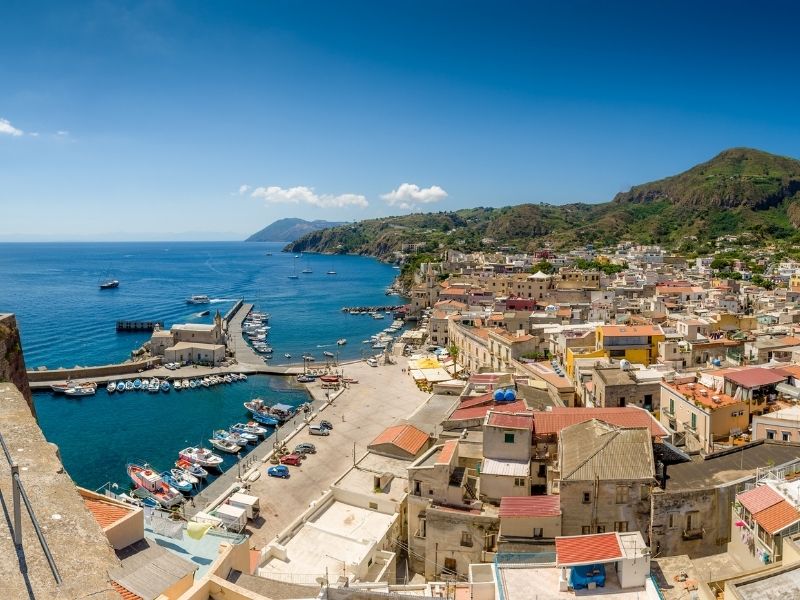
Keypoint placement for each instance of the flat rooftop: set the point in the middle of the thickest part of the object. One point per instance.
(542, 582)
(729, 467)
(361, 478)
(341, 533)
(777, 586)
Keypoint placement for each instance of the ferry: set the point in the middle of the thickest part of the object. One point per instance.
(198, 299)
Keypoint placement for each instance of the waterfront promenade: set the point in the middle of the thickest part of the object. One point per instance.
(383, 396)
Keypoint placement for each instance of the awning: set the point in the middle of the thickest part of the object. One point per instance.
(789, 390)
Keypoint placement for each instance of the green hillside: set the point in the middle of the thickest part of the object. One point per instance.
(740, 190)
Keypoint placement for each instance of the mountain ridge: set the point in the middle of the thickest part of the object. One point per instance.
(289, 229)
(741, 190)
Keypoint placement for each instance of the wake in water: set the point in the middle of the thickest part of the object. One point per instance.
(218, 300)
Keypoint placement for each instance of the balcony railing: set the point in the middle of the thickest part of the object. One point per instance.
(693, 534)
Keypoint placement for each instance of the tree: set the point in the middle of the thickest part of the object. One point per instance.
(543, 266)
(453, 350)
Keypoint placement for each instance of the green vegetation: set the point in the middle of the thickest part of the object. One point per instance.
(741, 192)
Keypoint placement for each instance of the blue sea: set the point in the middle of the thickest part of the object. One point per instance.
(66, 320)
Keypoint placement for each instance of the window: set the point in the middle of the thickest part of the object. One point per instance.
(672, 522)
(587, 497)
(600, 529)
(450, 565)
(491, 541)
(672, 406)
(621, 526)
(622, 401)
(786, 436)
(586, 530)
(373, 505)
(693, 520)
(644, 492)
(538, 532)
(770, 434)
(466, 539)
(694, 420)
(519, 482)
(423, 527)
(542, 470)
(417, 491)
(648, 401)
(622, 494)
(508, 438)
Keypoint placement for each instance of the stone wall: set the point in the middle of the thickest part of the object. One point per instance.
(93, 372)
(12, 361)
(602, 508)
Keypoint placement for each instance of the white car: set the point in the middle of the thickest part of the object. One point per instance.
(372, 362)
(317, 430)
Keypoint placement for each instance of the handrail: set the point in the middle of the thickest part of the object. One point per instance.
(19, 490)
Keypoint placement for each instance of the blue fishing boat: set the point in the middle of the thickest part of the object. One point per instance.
(137, 384)
(264, 419)
(181, 485)
(121, 386)
(165, 387)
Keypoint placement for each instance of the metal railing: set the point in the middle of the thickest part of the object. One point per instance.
(19, 493)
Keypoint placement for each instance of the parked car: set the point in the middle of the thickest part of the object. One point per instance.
(317, 430)
(281, 471)
(292, 459)
(326, 425)
(372, 362)
(305, 448)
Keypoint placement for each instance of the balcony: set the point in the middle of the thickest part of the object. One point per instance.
(693, 534)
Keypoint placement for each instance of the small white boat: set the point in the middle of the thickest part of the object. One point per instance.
(145, 383)
(205, 382)
(111, 387)
(227, 379)
(328, 354)
(128, 386)
(178, 385)
(185, 384)
(341, 342)
(225, 446)
(198, 299)
(80, 390)
(194, 383)
(154, 386)
(287, 355)
(201, 456)
(242, 377)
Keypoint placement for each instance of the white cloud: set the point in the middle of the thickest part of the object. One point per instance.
(409, 195)
(8, 129)
(306, 195)
(243, 189)
(62, 133)
(34, 134)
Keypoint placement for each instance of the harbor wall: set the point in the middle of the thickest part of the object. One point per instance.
(232, 312)
(92, 372)
(12, 361)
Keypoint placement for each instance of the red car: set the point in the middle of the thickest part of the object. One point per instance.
(292, 459)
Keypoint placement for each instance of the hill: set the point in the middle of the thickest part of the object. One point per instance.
(740, 190)
(288, 230)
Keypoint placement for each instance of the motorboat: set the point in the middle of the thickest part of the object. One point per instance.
(178, 483)
(248, 428)
(198, 299)
(137, 384)
(265, 419)
(193, 383)
(177, 385)
(287, 355)
(305, 378)
(329, 378)
(234, 438)
(225, 446)
(341, 342)
(145, 383)
(193, 469)
(328, 354)
(153, 486)
(185, 384)
(121, 386)
(331, 272)
(205, 382)
(379, 346)
(80, 390)
(204, 313)
(128, 386)
(227, 379)
(242, 377)
(165, 386)
(154, 386)
(378, 316)
(201, 456)
(245, 436)
(185, 475)
(111, 387)
(282, 412)
(109, 284)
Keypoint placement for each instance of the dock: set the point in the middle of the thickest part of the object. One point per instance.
(244, 353)
(128, 325)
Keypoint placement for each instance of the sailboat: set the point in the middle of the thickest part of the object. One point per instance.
(294, 274)
(307, 269)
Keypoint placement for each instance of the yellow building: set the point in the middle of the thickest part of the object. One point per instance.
(636, 343)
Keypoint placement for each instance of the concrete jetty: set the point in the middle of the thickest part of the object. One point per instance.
(242, 350)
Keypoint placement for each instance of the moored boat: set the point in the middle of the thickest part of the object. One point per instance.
(111, 387)
(225, 446)
(201, 456)
(137, 384)
(249, 428)
(192, 469)
(153, 486)
(341, 342)
(154, 386)
(80, 391)
(178, 483)
(120, 386)
(185, 475)
(128, 386)
(165, 386)
(328, 354)
(177, 385)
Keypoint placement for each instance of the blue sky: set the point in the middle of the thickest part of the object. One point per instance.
(208, 120)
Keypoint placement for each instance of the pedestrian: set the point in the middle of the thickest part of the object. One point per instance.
(342, 418)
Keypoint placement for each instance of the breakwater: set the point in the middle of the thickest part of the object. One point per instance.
(369, 309)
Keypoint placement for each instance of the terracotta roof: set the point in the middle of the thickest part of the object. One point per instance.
(446, 453)
(405, 437)
(553, 421)
(754, 377)
(105, 513)
(530, 506)
(482, 400)
(499, 419)
(124, 593)
(630, 331)
(759, 498)
(587, 549)
(777, 517)
(479, 412)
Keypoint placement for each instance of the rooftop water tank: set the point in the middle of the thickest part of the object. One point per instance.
(624, 364)
(499, 395)
(510, 396)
